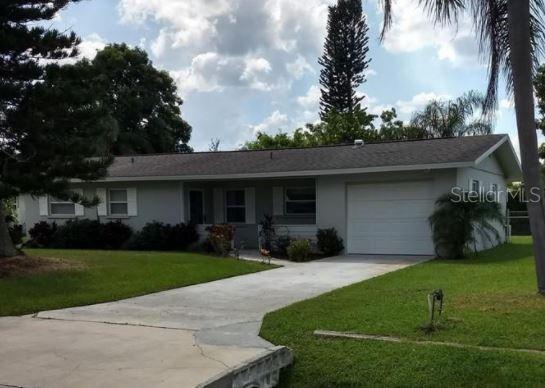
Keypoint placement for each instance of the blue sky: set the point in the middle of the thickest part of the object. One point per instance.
(244, 66)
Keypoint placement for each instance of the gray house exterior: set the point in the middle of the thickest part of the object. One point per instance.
(378, 196)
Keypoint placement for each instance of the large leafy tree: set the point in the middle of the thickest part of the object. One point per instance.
(141, 99)
(453, 118)
(344, 59)
(339, 128)
(41, 150)
(511, 37)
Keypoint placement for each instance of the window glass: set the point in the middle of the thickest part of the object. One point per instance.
(63, 208)
(235, 209)
(119, 208)
(118, 195)
(301, 200)
(235, 198)
(118, 202)
(475, 186)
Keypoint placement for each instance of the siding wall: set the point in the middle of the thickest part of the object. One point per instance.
(168, 201)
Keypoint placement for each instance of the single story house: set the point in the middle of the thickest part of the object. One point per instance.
(378, 196)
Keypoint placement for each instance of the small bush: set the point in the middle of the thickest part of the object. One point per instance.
(16, 233)
(158, 236)
(280, 245)
(114, 234)
(42, 234)
(183, 236)
(78, 234)
(299, 250)
(220, 237)
(329, 241)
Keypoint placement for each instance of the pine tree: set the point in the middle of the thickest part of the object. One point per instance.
(344, 58)
(41, 150)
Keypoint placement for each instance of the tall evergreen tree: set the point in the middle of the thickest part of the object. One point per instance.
(40, 152)
(344, 58)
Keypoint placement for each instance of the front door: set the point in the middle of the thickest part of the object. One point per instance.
(196, 207)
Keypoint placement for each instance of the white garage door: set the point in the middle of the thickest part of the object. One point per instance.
(390, 218)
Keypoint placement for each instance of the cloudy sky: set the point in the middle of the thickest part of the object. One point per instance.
(244, 66)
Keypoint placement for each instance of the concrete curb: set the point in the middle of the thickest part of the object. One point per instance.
(261, 371)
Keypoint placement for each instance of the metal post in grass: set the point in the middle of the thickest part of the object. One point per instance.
(435, 307)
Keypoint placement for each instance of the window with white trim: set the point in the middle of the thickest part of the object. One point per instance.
(300, 200)
(59, 207)
(235, 206)
(117, 202)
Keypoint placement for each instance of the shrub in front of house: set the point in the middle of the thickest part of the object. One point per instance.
(183, 236)
(42, 234)
(458, 220)
(219, 238)
(299, 250)
(78, 234)
(280, 245)
(114, 234)
(158, 236)
(329, 241)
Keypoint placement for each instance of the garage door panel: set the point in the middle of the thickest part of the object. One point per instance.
(391, 209)
(391, 191)
(390, 218)
(380, 228)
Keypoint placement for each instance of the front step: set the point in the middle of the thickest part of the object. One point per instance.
(261, 371)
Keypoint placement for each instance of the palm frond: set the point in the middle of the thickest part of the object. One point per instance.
(387, 20)
(443, 11)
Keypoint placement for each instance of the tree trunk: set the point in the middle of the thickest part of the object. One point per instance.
(6, 245)
(521, 63)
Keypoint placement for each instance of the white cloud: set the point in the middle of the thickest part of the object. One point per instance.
(213, 72)
(413, 30)
(285, 34)
(90, 45)
(370, 73)
(310, 101)
(299, 67)
(274, 121)
(418, 101)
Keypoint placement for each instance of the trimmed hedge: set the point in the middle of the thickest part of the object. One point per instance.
(158, 236)
(89, 234)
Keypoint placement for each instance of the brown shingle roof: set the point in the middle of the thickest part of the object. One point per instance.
(402, 153)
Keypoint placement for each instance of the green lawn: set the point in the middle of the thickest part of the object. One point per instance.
(112, 275)
(491, 300)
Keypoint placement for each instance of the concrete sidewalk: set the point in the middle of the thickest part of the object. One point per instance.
(178, 337)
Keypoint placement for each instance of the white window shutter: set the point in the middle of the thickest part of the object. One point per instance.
(102, 207)
(79, 209)
(132, 202)
(249, 197)
(218, 205)
(44, 206)
(21, 209)
(278, 201)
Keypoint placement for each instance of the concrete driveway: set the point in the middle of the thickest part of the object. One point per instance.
(179, 337)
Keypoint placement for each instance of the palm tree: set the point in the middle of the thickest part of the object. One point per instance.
(457, 222)
(511, 36)
(453, 118)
